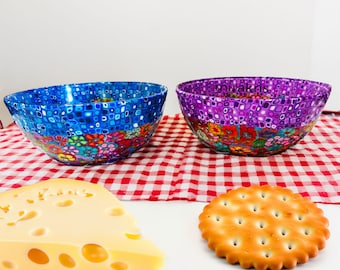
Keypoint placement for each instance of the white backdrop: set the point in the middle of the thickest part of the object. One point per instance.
(48, 42)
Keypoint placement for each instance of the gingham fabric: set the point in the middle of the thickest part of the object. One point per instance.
(176, 166)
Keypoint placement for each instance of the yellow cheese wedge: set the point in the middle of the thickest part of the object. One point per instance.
(70, 224)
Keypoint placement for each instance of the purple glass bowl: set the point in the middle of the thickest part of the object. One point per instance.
(251, 116)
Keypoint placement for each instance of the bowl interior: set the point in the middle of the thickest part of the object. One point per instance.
(71, 94)
(254, 87)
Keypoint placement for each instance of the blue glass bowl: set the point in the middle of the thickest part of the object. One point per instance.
(89, 123)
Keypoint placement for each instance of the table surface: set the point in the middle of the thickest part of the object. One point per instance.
(176, 166)
(173, 227)
(166, 184)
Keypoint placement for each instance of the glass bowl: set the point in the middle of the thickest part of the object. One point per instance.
(251, 116)
(89, 123)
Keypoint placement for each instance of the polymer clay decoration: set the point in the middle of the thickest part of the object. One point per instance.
(89, 123)
(251, 116)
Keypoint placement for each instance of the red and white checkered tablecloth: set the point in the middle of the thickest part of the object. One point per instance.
(176, 166)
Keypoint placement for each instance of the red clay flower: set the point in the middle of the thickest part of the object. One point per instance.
(247, 134)
(94, 139)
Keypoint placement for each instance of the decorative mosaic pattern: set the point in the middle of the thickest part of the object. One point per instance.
(255, 116)
(94, 148)
(89, 123)
(245, 140)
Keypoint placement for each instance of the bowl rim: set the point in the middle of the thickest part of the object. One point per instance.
(327, 87)
(164, 90)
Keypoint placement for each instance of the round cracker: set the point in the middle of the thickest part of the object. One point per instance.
(264, 227)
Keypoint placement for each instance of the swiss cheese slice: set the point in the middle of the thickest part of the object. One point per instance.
(70, 224)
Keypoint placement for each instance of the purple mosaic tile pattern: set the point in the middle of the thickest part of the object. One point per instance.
(253, 116)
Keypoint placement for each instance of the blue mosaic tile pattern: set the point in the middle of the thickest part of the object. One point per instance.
(88, 116)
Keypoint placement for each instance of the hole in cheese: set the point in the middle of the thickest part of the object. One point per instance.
(41, 194)
(65, 203)
(66, 260)
(115, 211)
(94, 253)
(27, 216)
(5, 208)
(8, 265)
(39, 232)
(23, 217)
(133, 235)
(38, 256)
(119, 266)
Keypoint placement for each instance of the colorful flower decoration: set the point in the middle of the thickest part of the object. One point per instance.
(246, 140)
(94, 148)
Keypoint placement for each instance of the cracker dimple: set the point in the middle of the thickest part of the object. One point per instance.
(225, 203)
(263, 194)
(261, 224)
(283, 231)
(217, 218)
(263, 241)
(299, 217)
(264, 227)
